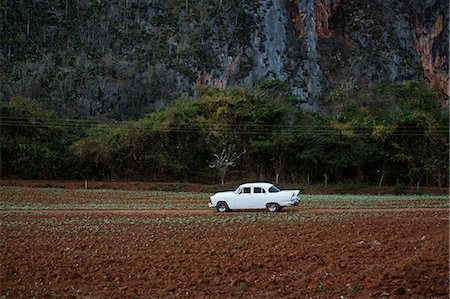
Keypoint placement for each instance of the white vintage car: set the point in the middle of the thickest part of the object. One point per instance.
(254, 196)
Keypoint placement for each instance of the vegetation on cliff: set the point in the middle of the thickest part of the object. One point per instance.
(124, 59)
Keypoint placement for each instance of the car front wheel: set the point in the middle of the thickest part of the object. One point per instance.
(273, 207)
(222, 207)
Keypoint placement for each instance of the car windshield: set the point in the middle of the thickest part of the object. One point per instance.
(273, 189)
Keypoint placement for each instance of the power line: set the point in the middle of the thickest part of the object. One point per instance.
(102, 122)
(206, 127)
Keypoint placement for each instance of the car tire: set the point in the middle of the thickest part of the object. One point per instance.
(273, 207)
(222, 207)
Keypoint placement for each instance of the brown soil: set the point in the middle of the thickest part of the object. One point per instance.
(98, 255)
(121, 185)
(213, 211)
(209, 188)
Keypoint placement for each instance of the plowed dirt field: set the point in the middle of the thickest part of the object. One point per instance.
(386, 250)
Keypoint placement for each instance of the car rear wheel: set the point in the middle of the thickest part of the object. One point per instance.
(273, 207)
(222, 207)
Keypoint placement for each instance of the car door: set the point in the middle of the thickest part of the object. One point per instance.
(244, 199)
(259, 198)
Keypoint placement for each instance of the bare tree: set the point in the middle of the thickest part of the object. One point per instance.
(225, 160)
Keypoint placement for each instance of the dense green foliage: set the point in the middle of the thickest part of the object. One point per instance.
(34, 142)
(393, 134)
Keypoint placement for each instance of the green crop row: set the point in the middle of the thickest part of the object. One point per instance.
(19, 198)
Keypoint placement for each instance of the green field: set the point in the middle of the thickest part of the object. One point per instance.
(24, 198)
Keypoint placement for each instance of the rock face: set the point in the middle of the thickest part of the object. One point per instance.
(123, 59)
(366, 42)
(432, 29)
(269, 42)
(312, 28)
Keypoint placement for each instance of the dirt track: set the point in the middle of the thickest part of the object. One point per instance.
(192, 187)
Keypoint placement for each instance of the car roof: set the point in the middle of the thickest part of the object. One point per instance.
(257, 184)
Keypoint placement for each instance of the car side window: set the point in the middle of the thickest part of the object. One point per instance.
(257, 190)
(273, 189)
(246, 190)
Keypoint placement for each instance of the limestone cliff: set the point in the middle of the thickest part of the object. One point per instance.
(123, 59)
(432, 29)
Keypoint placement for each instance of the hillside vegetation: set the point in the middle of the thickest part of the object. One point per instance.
(391, 134)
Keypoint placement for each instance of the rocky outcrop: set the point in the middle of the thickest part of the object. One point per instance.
(307, 10)
(269, 42)
(432, 43)
(138, 58)
(220, 81)
(323, 10)
(371, 41)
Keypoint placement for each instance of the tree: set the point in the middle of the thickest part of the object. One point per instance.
(225, 160)
(94, 157)
(34, 140)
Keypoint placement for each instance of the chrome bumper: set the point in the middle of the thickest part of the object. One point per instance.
(295, 201)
